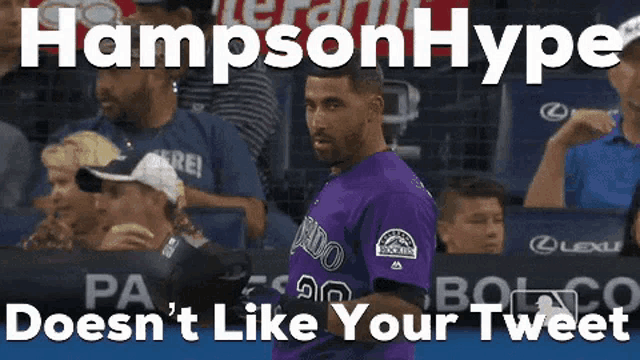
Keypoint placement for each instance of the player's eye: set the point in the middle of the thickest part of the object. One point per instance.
(478, 220)
(334, 104)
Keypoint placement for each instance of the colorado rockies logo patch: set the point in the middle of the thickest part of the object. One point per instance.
(396, 243)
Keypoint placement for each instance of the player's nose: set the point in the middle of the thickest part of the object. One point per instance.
(316, 123)
(494, 228)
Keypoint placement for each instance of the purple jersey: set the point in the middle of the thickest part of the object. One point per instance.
(374, 221)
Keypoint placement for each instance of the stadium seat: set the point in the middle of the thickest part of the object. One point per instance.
(563, 232)
(17, 224)
(531, 114)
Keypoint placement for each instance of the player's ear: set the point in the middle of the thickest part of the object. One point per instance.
(617, 77)
(376, 105)
(443, 231)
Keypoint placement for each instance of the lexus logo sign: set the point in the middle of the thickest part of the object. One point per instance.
(543, 245)
(555, 111)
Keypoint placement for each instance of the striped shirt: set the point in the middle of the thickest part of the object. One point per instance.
(248, 101)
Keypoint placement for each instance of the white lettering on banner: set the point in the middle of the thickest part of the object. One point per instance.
(425, 37)
(546, 245)
(455, 293)
(455, 289)
(105, 286)
(188, 163)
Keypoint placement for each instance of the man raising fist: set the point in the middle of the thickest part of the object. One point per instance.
(595, 156)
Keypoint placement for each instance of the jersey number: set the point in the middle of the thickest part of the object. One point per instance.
(331, 290)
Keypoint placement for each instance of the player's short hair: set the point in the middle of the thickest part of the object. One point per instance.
(363, 80)
(467, 187)
(107, 46)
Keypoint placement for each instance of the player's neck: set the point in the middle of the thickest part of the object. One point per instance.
(161, 110)
(367, 149)
(8, 59)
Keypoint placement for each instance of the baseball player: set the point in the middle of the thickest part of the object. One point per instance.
(369, 234)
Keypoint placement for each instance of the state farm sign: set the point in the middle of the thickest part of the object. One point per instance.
(350, 14)
(263, 14)
(90, 13)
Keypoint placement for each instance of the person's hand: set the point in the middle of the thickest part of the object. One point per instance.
(127, 237)
(584, 126)
(256, 215)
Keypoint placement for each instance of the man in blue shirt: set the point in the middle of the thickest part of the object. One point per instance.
(140, 112)
(593, 161)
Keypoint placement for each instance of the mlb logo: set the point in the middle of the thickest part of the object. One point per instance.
(544, 302)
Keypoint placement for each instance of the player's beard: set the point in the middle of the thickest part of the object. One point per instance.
(342, 152)
(130, 107)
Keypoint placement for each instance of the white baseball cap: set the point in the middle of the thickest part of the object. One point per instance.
(150, 169)
(630, 30)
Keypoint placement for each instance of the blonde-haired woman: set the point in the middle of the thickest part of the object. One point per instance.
(72, 218)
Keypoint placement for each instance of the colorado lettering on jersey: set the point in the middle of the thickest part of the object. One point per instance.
(312, 238)
(188, 163)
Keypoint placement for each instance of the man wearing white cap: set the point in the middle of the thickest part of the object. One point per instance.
(141, 201)
(595, 155)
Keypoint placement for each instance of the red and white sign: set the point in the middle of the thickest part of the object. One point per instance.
(89, 13)
(350, 14)
(263, 14)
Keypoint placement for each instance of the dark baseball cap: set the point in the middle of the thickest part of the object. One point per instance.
(150, 169)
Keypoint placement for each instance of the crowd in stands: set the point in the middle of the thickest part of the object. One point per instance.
(215, 141)
(216, 138)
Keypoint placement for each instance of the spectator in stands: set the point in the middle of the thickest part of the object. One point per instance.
(593, 160)
(142, 202)
(631, 246)
(15, 162)
(471, 216)
(37, 100)
(248, 101)
(15, 165)
(72, 219)
(140, 113)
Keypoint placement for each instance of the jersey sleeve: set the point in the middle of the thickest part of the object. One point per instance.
(236, 174)
(398, 239)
